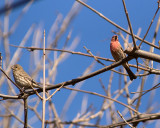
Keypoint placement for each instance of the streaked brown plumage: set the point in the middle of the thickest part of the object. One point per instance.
(118, 54)
(22, 79)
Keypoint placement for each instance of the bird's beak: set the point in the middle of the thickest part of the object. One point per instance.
(12, 67)
(116, 37)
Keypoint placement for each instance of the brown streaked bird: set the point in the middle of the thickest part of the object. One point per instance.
(22, 79)
(118, 54)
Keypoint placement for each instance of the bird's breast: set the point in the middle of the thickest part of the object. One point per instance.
(114, 46)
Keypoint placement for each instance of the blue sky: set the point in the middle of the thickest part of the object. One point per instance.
(94, 33)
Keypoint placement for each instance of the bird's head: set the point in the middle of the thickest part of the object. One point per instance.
(114, 38)
(16, 67)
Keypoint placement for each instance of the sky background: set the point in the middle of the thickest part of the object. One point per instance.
(93, 32)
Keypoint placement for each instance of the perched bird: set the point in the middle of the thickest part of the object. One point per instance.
(118, 54)
(22, 79)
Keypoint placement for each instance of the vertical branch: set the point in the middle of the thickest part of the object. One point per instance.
(5, 37)
(147, 62)
(129, 23)
(44, 99)
(154, 38)
(25, 111)
(0, 60)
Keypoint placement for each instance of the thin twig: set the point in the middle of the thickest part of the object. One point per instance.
(149, 27)
(11, 79)
(55, 91)
(97, 94)
(44, 98)
(88, 51)
(145, 91)
(61, 50)
(95, 57)
(124, 119)
(36, 92)
(129, 23)
(153, 71)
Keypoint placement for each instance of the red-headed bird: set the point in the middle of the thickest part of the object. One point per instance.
(118, 54)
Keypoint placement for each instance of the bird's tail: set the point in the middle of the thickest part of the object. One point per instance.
(130, 73)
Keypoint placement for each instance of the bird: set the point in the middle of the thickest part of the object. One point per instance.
(118, 54)
(22, 79)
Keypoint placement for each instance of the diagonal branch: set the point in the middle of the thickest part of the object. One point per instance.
(79, 79)
(11, 80)
(15, 5)
(116, 25)
(149, 27)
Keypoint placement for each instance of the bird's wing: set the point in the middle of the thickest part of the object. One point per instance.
(28, 78)
(122, 50)
(124, 53)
